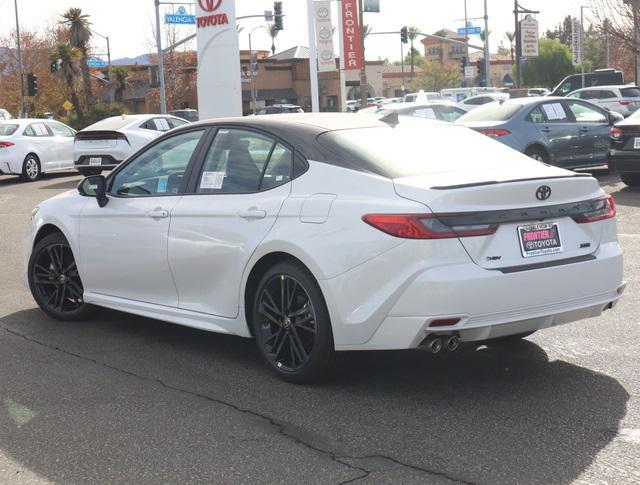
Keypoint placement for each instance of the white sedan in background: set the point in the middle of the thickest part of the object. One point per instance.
(475, 101)
(316, 233)
(106, 143)
(31, 147)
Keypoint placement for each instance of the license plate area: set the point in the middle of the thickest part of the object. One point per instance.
(539, 239)
(93, 161)
(636, 143)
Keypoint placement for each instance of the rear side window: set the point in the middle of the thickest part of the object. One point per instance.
(630, 92)
(175, 122)
(59, 129)
(607, 94)
(450, 113)
(492, 112)
(590, 94)
(156, 124)
(478, 101)
(36, 129)
(8, 130)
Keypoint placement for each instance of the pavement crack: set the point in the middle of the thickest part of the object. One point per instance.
(281, 428)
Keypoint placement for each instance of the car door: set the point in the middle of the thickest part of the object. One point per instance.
(556, 130)
(123, 246)
(43, 144)
(235, 199)
(593, 129)
(63, 137)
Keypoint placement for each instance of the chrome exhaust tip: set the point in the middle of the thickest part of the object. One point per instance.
(433, 344)
(452, 343)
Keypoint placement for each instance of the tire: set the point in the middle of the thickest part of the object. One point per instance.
(54, 280)
(511, 338)
(537, 154)
(88, 171)
(631, 180)
(291, 324)
(31, 169)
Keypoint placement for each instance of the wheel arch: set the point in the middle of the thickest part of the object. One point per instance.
(46, 230)
(541, 147)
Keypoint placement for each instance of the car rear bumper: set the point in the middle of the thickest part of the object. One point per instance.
(624, 161)
(107, 161)
(488, 303)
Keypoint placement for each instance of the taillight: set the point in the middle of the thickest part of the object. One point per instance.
(624, 102)
(602, 208)
(425, 226)
(495, 133)
(615, 133)
(6, 144)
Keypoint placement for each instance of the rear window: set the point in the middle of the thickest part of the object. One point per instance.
(110, 124)
(413, 147)
(492, 112)
(7, 130)
(630, 92)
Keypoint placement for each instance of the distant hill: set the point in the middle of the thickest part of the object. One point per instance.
(142, 60)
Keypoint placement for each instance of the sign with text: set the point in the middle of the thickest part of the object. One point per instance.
(351, 35)
(180, 17)
(324, 37)
(470, 30)
(576, 42)
(529, 37)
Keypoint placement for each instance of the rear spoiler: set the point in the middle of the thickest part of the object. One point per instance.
(496, 182)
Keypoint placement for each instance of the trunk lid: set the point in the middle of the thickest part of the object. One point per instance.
(507, 196)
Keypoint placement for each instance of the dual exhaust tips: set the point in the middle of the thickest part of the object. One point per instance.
(435, 343)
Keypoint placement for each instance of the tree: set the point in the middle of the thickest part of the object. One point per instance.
(68, 58)
(483, 35)
(550, 67)
(80, 37)
(511, 37)
(412, 34)
(273, 33)
(119, 82)
(562, 32)
(436, 76)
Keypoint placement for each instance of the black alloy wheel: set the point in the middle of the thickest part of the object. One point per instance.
(291, 324)
(54, 280)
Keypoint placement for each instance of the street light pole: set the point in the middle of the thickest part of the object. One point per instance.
(253, 90)
(313, 57)
(106, 37)
(163, 94)
(20, 66)
(364, 85)
(581, 34)
(487, 55)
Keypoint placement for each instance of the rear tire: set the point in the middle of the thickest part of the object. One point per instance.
(88, 171)
(31, 169)
(631, 180)
(291, 324)
(54, 280)
(537, 154)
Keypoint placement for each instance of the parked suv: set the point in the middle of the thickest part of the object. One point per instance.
(599, 77)
(621, 99)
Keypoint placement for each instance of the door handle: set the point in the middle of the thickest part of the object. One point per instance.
(546, 129)
(584, 129)
(253, 213)
(158, 213)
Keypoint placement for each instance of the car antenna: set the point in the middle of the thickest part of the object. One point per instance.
(392, 119)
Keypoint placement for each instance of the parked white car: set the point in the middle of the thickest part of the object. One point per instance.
(106, 143)
(621, 99)
(31, 147)
(474, 101)
(421, 97)
(5, 115)
(316, 233)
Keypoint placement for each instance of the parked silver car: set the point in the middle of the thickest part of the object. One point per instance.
(569, 133)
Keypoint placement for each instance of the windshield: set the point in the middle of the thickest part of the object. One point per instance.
(414, 147)
(7, 130)
(492, 112)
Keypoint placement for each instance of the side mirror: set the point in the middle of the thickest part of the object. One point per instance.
(94, 186)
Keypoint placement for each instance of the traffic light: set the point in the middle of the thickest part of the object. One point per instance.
(463, 64)
(54, 66)
(32, 84)
(404, 35)
(480, 67)
(277, 15)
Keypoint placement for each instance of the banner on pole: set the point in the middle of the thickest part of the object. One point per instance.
(324, 37)
(529, 38)
(576, 42)
(351, 35)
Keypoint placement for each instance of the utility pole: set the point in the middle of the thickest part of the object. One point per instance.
(163, 93)
(487, 55)
(364, 86)
(20, 65)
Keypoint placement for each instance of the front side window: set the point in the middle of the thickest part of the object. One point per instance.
(159, 170)
(537, 115)
(587, 114)
(36, 129)
(237, 159)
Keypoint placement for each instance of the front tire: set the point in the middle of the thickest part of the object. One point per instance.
(54, 280)
(31, 168)
(631, 180)
(291, 324)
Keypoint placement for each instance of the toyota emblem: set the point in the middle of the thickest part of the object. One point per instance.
(209, 5)
(543, 192)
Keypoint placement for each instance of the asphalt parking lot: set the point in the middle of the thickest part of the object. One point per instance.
(124, 399)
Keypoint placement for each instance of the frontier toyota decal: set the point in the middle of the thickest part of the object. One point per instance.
(351, 35)
(211, 18)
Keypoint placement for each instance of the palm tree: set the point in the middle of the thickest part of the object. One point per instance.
(68, 58)
(273, 33)
(511, 37)
(80, 37)
(119, 82)
(412, 34)
(366, 30)
(484, 34)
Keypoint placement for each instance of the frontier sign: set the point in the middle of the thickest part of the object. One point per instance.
(351, 35)
(219, 83)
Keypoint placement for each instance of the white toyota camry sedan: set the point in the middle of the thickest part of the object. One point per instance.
(318, 233)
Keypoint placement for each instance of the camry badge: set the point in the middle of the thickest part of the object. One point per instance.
(543, 192)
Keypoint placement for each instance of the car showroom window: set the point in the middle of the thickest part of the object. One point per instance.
(235, 162)
(59, 129)
(587, 114)
(159, 169)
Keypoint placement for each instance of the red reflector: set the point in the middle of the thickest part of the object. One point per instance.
(6, 144)
(445, 322)
(625, 102)
(615, 133)
(425, 226)
(495, 133)
(603, 208)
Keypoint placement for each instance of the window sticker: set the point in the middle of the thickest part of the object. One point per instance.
(212, 180)
(554, 111)
(161, 124)
(162, 184)
(40, 129)
(425, 113)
